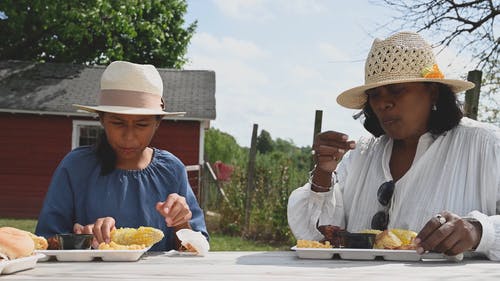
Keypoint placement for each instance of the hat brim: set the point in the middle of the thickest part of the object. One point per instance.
(127, 110)
(355, 98)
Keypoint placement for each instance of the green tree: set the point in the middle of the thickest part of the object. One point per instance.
(278, 172)
(264, 142)
(223, 147)
(96, 31)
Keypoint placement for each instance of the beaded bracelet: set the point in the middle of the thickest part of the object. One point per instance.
(319, 187)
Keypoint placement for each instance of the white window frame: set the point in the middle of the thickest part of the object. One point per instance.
(75, 136)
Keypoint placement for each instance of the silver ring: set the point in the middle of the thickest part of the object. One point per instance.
(440, 218)
(313, 152)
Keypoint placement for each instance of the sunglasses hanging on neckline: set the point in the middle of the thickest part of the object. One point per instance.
(380, 220)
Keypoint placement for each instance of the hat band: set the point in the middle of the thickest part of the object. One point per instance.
(131, 99)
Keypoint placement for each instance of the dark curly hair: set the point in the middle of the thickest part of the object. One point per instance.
(446, 117)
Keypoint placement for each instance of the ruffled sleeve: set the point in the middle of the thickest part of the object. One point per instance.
(488, 147)
(308, 209)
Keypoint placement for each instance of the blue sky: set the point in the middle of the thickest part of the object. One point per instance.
(277, 61)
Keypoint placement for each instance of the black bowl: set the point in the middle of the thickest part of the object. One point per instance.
(357, 240)
(74, 241)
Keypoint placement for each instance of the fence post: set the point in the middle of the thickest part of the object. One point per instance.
(204, 188)
(250, 176)
(206, 184)
(318, 119)
(472, 96)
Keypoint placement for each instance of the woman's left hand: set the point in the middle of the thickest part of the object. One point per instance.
(449, 234)
(175, 210)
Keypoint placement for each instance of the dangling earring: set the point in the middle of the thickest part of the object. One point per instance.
(434, 107)
(357, 115)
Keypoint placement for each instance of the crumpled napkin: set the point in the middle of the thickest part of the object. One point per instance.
(195, 240)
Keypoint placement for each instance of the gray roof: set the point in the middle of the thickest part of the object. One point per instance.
(52, 88)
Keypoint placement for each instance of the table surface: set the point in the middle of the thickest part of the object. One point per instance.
(258, 266)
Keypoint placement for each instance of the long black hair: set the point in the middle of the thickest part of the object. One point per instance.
(105, 154)
(446, 116)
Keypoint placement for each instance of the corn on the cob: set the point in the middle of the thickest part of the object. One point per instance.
(312, 244)
(142, 235)
(113, 246)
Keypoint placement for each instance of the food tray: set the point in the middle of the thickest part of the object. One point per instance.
(366, 254)
(90, 255)
(11, 266)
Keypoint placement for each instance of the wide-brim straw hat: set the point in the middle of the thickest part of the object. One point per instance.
(401, 58)
(130, 88)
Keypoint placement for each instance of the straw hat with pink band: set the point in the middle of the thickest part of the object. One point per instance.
(130, 88)
(403, 57)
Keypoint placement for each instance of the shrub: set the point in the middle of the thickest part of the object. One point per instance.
(277, 173)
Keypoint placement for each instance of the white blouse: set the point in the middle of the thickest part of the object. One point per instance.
(458, 171)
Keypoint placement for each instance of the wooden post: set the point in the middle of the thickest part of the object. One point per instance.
(207, 176)
(203, 188)
(250, 176)
(472, 96)
(318, 119)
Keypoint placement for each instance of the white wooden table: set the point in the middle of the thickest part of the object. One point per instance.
(258, 266)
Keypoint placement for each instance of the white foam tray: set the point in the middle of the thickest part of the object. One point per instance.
(12, 266)
(366, 254)
(90, 255)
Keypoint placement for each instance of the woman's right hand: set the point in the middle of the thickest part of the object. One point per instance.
(101, 230)
(329, 147)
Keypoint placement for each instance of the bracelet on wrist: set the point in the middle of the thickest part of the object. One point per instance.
(320, 188)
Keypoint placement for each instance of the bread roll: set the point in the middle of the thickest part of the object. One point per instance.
(15, 243)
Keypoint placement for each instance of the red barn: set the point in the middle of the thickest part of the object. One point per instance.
(39, 125)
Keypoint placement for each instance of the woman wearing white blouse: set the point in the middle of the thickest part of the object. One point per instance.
(427, 168)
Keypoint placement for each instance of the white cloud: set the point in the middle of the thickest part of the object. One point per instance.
(281, 98)
(332, 52)
(265, 10)
(302, 72)
(278, 73)
(244, 9)
(227, 46)
(231, 73)
(239, 82)
(301, 7)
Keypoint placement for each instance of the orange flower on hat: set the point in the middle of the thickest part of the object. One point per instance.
(432, 72)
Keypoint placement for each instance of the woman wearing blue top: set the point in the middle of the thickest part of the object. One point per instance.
(121, 182)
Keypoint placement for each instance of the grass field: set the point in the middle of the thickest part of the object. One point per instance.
(24, 224)
(218, 242)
